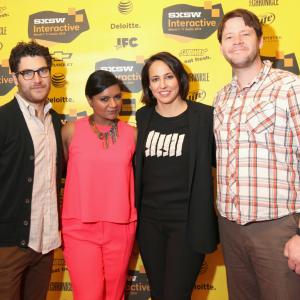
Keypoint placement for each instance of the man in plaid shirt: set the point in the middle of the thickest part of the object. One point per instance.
(257, 131)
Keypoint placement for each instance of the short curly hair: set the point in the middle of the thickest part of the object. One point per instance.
(23, 49)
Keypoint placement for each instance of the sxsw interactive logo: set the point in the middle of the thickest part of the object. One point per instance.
(137, 286)
(127, 71)
(6, 80)
(192, 21)
(267, 18)
(57, 27)
(126, 42)
(283, 61)
(125, 7)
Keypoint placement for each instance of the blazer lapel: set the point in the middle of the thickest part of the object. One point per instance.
(145, 117)
(193, 115)
(18, 115)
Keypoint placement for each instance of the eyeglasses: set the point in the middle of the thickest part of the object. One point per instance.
(29, 74)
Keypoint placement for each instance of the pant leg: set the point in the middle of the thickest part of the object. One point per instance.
(116, 249)
(83, 256)
(152, 243)
(13, 262)
(241, 278)
(275, 280)
(182, 264)
(37, 276)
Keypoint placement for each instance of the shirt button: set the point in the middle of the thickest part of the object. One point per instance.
(31, 157)
(29, 179)
(27, 200)
(23, 243)
(25, 223)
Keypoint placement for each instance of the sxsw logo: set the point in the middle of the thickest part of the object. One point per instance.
(126, 42)
(57, 27)
(283, 61)
(6, 80)
(197, 22)
(129, 72)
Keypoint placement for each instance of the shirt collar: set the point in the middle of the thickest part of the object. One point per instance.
(261, 75)
(29, 109)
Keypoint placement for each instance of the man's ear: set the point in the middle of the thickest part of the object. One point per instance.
(261, 42)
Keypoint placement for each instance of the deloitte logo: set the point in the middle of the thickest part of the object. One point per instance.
(125, 7)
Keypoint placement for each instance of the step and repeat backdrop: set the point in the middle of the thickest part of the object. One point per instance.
(118, 35)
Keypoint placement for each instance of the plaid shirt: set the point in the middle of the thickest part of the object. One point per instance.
(257, 131)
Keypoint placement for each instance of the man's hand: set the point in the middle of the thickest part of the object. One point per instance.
(292, 252)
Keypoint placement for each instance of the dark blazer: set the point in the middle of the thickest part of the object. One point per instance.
(202, 230)
(17, 173)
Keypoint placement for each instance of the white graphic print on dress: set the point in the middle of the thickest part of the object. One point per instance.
(159, 144)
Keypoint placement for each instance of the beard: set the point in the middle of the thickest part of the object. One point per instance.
(243, 62)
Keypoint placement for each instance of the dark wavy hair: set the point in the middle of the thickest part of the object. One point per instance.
(249, 18)
(31, 48)
(176, 67)
(100, 80)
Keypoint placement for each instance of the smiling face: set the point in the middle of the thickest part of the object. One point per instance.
(240, 44)
(37, 89)
(106, 105)
(163, 83)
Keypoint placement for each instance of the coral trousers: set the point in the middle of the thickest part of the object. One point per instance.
(97, 257)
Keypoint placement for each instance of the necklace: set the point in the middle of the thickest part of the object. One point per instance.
(104, 136)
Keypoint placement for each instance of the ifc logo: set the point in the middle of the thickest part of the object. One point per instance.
(125, 7)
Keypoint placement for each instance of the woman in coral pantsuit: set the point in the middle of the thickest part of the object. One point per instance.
(98, 216)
